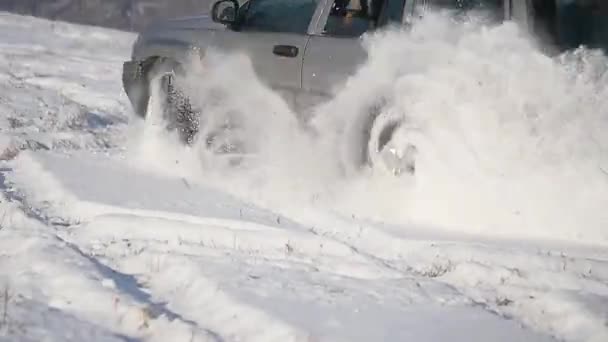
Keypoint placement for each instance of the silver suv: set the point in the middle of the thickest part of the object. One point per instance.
(301, 48)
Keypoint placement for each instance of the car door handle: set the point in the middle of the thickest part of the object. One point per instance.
(285, 50)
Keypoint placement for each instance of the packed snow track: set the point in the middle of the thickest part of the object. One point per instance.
(111, 231)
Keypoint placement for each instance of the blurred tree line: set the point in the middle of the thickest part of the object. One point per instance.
(130, 15)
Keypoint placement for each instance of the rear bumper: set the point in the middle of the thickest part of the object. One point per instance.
(135, 84)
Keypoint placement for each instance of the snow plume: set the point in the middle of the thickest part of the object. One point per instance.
(279, 152)
(509, 141)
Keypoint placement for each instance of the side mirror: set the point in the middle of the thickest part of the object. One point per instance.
(225, 11)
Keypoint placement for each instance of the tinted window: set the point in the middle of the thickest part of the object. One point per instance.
(351, 18)
(491, 9)
(466, 4)
(582, 23)
(393, 13)
(279, 15)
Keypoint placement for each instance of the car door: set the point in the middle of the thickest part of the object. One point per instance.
(334, 50)
(274, 34)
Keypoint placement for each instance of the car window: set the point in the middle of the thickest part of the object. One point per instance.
(464, 5)
(392, 12)
(490, 9)
(352, 18)
(291, 16)
(582, 23)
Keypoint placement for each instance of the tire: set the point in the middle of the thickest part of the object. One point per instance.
(176, 109)
(387, 151)
(367, 143)
(179, 114)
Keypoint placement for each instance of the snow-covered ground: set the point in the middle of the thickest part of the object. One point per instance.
(111, 233)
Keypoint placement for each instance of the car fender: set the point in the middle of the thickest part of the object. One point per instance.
(181, 45)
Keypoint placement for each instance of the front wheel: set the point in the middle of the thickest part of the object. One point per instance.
(386, 148)
(218, 133)
(169, 103)
(370, 144)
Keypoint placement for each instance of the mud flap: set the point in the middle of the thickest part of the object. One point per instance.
(135, 84)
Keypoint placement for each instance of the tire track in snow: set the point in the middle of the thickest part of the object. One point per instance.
(267, 242)
(131, 297)
(130, 237)
(210, 296)
(107, 235)
(451, 271)
(78, 285)
(539, 284)
(225, 227)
